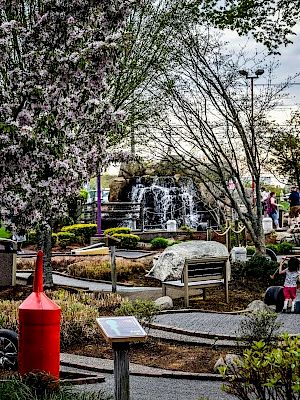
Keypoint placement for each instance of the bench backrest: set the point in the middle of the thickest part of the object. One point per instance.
(204, 269)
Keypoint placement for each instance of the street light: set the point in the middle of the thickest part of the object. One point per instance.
(246, 74)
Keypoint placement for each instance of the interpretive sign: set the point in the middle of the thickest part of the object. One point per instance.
(121, 329)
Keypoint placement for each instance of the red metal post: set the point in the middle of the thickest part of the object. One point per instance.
(39, 329)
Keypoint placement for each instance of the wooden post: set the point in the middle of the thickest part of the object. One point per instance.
(237, 235)
(113, 268)
(226, 279)
(121, 370)
(228, 244)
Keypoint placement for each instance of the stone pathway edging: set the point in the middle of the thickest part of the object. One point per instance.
(80, 362)
(188, 332)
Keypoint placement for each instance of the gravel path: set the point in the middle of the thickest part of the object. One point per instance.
(149, 388)
(220, 324)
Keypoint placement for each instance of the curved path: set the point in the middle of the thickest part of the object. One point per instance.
(221, 325)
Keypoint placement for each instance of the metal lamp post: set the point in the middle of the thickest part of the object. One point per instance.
(246, 74)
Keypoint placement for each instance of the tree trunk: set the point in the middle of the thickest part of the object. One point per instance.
(44, 243)
(259, 239)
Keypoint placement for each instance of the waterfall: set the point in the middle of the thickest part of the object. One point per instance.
(164, 198)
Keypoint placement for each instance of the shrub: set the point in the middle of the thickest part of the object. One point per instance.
(259, 268)
(250, 250)
(65, 239)
(53, 239)
(281, 248)
(273, 247)
(31, 237)
(285, 248)
(82, 232)
(128, 241)
(159, 243)
(113, 231)
(259, 326)
(143, 310)
(41, 386)
(266, 371)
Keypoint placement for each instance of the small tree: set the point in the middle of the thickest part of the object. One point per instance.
(55, 105)
(208, 129)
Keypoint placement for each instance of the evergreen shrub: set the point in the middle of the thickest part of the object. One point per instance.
(159, 243)
(82, 232)
(128, 241)
(65, 239)
(143, 310)
(113, 231)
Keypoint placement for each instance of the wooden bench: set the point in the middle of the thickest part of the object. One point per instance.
(201, 273)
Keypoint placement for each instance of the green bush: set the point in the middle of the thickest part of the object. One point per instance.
(31, 237)
(65, 239)
(128, 241)
(250, 250)
(113, 231)
(281, 248)
(53, 239)
(82, 232)
(41, 386)
(143, 310)
(159, 243)
(257, 326)
(258, 268)
(285, 248)
(273, 247)
(266, 371)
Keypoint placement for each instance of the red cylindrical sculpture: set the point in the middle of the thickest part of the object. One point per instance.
(39, 329)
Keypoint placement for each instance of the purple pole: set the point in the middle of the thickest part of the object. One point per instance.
(99, 198)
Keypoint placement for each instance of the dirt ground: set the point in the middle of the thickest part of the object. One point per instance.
(166, 355)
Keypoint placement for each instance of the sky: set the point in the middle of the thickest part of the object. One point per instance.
(289, 65)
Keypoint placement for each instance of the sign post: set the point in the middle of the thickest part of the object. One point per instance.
(120, 331)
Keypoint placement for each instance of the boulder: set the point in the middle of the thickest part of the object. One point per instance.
(258, 306)
(232, 361)
(164, 303)
(116, 189)
(170, 263)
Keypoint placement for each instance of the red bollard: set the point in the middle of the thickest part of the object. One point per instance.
(39, 329)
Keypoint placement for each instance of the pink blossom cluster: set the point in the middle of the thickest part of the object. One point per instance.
(57, 59)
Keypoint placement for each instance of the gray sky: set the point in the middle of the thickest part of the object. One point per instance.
(289, 65)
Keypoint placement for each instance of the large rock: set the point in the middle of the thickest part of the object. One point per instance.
(164, 303)
(170, 263)
(258, 306)
(117, 189)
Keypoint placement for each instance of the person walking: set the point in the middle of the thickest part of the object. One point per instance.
(272, 209)
(294, 200)
(290, 284)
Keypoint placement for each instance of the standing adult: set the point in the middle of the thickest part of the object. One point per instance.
(264, 196)
(294, 200)
(272, 209)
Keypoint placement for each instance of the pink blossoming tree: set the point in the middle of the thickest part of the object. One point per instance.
(55, 104)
